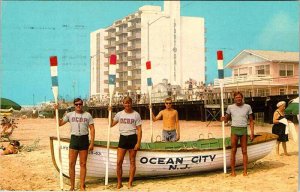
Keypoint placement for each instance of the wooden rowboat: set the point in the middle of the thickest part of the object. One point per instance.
(165, 159)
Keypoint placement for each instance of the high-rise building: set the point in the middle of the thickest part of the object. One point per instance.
(174, 44)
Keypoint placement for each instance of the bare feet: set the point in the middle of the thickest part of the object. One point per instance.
(287, 154)
(71, 189)
(129, 185)
(233, 174)
(82, 188)
(245, 174)
(119, 185)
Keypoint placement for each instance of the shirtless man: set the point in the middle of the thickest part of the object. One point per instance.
(171, 129)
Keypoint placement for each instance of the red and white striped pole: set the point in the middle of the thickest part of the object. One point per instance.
(111, 87)
(221, 82)
(149, 83)
(54, 80)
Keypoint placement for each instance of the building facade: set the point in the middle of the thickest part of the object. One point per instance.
(263, 73)
(174, 44)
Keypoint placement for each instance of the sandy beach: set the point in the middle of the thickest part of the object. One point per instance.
(33, 170)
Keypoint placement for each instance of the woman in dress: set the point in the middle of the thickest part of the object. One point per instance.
(280, 126)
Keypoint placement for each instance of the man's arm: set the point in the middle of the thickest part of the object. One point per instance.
(251, 126)
(159, 116)
(177, 127)
(225, 118)
(113, 123)
(61, 122)
(139, 137)
(92, 131)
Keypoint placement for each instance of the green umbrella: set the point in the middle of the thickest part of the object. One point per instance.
(7, 104)
(293, 107)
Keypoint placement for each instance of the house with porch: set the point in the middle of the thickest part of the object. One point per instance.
(263, 73)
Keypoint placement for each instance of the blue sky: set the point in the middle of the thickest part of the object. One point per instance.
(33, 31)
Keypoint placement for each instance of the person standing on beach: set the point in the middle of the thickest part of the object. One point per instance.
(130, 128)
(81, 122)
(280, 126)
(239, 112)
(171, 129)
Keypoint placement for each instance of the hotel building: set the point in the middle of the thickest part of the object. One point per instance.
(174, 44)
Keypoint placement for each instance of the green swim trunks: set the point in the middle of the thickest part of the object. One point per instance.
(239, 130)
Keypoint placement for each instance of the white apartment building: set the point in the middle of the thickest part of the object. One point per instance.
(174, 44)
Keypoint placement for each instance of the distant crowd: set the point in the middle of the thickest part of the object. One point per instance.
(191, 92)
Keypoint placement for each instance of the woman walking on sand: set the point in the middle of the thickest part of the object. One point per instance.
(280, 126)
(130, 127)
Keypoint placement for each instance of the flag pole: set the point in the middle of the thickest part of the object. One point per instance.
(221, 82)
(111, 86)
(149, 83)
(54, 79)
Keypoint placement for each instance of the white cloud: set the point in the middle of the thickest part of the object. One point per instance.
(280, 33)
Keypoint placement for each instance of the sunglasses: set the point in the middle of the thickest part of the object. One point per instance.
(78, 104)
(168, 103)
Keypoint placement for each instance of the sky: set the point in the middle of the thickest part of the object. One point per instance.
(32, 31)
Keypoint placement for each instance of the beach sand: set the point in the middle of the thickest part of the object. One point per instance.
(33, 169)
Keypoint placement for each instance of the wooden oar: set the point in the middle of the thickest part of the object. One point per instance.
(111, 86)
(53, 70)
(221, 82)
(149, 83)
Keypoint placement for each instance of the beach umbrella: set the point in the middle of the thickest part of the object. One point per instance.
(8, 104)
(293, 107)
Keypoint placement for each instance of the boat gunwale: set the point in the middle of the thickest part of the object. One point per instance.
(175, 150)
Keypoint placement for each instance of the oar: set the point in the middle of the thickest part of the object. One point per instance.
(149, 83)
(53, 70)
(111, 86)
(221, 78)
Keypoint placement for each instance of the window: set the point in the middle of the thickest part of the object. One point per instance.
(236, 72)
(243, 71)
(281, 91)
(294, 91)
(286, 70)
(262, 70)
(250, 70)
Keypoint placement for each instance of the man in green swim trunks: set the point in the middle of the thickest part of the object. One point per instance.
(239, 112)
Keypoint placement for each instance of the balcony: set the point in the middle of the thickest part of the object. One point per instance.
(134, 26)
(134, 57)
(249, 79)
(122, 50)
(134, 17)
(133, 47)
(135, 76)
(109, 46)
(135, 36)
(110, 36)
(121, 41)
(121, 31)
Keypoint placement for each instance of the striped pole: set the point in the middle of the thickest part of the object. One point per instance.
(221, 78)
(149, 83)
(111, 87)
(54, 79)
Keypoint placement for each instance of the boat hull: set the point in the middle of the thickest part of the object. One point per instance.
(159, 162)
